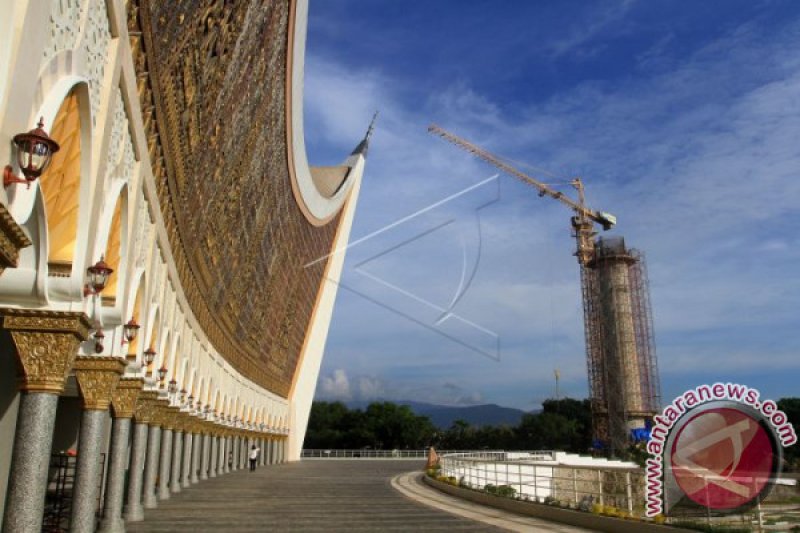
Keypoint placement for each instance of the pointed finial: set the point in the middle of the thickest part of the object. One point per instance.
(371, 126)
(364, 144)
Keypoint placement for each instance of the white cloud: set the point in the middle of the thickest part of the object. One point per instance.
(336, 386)
(597, 21)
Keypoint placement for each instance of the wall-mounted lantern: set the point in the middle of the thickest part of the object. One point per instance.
(96, 278)
(129, 330)
(35, 151)
(149, 357)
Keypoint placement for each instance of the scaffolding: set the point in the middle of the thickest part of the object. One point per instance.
(623, 374)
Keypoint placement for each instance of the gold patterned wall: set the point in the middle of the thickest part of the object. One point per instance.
(212, 79)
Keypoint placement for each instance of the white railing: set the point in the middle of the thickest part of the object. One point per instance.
(542, 476)
(370, 454)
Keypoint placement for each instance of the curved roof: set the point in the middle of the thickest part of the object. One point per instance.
(216, 84)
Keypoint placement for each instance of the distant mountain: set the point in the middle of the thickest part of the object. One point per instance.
(443, 416)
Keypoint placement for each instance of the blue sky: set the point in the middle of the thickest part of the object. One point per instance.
(683, 120)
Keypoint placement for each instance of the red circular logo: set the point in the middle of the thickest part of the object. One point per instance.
(723, 458)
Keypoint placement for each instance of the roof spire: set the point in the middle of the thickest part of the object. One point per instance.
(363, 146)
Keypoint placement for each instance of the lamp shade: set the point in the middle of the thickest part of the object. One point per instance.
(98, 275)
(35, 150)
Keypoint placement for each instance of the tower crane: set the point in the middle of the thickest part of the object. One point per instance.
(623, 375)
(582, 222)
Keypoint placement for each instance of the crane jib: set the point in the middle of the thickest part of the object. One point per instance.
(606, 220)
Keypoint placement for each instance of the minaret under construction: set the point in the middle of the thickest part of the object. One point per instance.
(623, 372)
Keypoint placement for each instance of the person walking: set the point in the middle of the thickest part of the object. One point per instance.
(254, 451)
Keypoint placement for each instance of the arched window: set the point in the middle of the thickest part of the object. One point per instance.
(60, 186)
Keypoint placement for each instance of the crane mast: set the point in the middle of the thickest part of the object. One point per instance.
(623, 375)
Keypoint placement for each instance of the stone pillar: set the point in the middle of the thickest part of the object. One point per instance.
(228, 452)
(123, 404)
(167, 421)
(46, 345)
(197, 450)
(222, 453)
(177, 452)
(188, 447)
(212, 458)
(143, 415)
(206, 454)
(234, 439)
(247, 444)
(97, 377)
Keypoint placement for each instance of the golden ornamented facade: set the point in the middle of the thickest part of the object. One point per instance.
(182, 166)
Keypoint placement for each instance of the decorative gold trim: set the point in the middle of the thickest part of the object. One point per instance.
(125, 396)
(12, 240)
(46, 344)
(59, 269)
(97, 377)
(160, 413)
(177, 68)
(170, 414)
(145, 407)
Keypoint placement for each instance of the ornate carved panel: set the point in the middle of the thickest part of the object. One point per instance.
(213, 77)
(12, 240)
(146, 407)
(125, 396)
(46, 344)
(96, 37)
(63, 26)
(97, 378)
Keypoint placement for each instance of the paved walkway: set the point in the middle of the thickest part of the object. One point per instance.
(325, 495)
(411, 484)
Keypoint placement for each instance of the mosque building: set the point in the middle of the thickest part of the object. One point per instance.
(169, 257)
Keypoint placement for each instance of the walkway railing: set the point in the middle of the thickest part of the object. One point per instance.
(538, 476)
(369, 454)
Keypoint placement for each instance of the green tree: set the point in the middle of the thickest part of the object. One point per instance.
(396, 426)
(579, 411)
(791, 406)
(548, 431)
